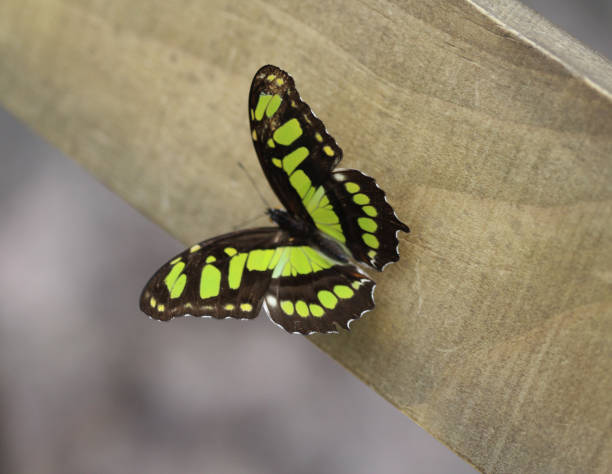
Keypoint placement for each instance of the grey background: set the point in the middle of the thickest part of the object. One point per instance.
(88, 384)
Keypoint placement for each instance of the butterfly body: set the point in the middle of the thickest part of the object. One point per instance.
(301, 271)
(299, 228)
(289, 223)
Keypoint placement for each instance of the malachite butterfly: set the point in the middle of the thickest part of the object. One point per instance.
(301, 271)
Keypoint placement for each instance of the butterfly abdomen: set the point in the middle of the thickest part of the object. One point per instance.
(329, 247)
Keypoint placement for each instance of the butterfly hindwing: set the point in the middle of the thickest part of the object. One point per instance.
(368, 221)
(316, 302)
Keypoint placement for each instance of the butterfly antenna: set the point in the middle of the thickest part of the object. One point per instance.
(241, 225)
(254, 185)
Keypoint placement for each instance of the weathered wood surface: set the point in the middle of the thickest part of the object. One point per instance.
(490, 130)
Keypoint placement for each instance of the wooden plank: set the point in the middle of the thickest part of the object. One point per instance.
(490, 130)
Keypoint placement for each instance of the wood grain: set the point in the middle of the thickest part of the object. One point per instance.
(490, 130)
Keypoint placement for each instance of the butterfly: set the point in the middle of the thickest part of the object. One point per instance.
(301, 271)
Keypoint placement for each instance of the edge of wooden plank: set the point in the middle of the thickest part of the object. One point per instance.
(529, 26)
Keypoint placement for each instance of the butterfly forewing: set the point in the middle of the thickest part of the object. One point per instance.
(294, 149)
(226, 276)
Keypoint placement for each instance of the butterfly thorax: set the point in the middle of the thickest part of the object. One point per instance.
(286, 221)
(301, 229)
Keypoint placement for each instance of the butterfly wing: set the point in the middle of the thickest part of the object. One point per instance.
(298, 157)
(368, 221)
(316, 302)
(223, 277)
(231, 275)
(293, 147)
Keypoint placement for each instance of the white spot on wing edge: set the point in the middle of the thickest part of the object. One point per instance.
(396, 217)
(204, 316)
(350, 321)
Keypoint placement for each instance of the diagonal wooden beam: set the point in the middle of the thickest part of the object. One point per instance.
(490, 130)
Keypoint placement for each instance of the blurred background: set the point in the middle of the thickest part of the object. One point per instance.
(89, 384)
